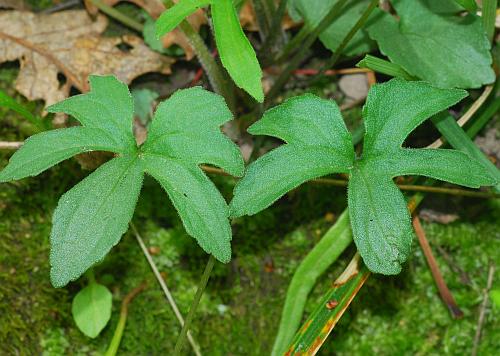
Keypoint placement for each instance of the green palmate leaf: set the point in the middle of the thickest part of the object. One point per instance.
(91, 309)
(432, 43)
(108, 106)
(91, 218)
(318, 143)
(171, 18)
(46, 149)
(171, 157)
(202, 209)
(236, 53)
(313, 12)
(187, 126)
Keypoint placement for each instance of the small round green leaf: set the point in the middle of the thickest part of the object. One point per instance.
(92, 309)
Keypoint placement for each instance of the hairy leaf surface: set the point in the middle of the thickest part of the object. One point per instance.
(441, 48)
(203, 210)
(92, 217)
(108, 106)
(46, 149)
(187, 126)
(318, 143)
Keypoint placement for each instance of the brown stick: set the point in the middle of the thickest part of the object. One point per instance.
(6, 145)
(482, 313)
(444, 291)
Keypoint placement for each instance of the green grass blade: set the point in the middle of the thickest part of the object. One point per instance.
(318, 326)
(319, 259)
(385, 67)
(9, 103)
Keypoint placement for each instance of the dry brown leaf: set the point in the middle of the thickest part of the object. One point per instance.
(70, 43)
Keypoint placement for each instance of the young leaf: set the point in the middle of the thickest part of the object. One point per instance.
(92, 217)
(441, 48)
(318, 143)
(172, 153)
(171, 18)
(91, 309)
(313, 11)
(236, 52)
(379, 216)
(108, 106)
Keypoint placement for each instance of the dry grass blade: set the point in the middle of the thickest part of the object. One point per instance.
(318, 326)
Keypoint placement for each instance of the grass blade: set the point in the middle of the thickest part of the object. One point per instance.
(322, 321)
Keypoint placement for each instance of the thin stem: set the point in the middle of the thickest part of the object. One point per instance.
(163, 285)
(118, 15)
(262, 17)
(194, 305)
(357, 26)
(294, 43)
(275, 26)
(120, 327)
(334, 12)
(443, 289)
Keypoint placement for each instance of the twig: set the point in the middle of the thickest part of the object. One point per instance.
(117, 336)
(62, 6)
(468, 114)
(5, 145)
(482, 313)
(444, 291)
(83, 87)
(164, 287)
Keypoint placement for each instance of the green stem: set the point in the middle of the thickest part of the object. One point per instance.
(275, 27)
(294, 43)
(385, 67)
(334, 12)
(194, 305)
(117, 15)
(214, 72)
(262, 18)
(489, 16)
(357, 26)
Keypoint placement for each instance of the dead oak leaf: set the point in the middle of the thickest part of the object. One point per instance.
(69, 43)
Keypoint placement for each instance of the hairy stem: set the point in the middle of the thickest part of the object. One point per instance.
(334, 13)
(194, 305)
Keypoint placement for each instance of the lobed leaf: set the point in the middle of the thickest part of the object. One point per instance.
(394, 109)
(91, 218)
(108, 106)
(443, 164)
(91, 309)
(187, 126)
(435, 45)
(236, 52)
(46, 149)
(202, 209)
(171, 18)
(318, 143)
(380, 220)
